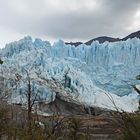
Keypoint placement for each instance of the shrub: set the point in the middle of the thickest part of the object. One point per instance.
(131, 129)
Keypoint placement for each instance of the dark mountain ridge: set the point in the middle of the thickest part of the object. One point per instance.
(74, 43)
(132, 35)
(103, 39)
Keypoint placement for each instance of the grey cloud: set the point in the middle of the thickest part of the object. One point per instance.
(111, 18)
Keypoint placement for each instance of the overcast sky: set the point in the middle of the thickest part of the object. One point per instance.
(67, 19)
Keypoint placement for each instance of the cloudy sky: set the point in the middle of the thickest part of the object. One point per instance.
(67, 19)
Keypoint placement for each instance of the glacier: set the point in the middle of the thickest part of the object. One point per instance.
(99, 75)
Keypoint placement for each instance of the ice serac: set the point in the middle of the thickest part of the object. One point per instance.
(90, 75)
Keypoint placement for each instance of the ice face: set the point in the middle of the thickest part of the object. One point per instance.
(93, 71)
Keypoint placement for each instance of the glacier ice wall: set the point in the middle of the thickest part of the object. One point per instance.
(92, 70)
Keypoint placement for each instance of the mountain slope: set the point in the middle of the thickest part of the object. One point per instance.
(132, 35)
(102, 39)
(73, 43)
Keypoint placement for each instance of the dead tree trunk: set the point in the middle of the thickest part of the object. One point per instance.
(29, 106)
(138, 91)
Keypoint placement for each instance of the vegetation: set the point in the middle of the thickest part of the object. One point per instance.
(131, 122)
(14, 126)
(132, 127)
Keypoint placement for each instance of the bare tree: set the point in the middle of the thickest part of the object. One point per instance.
(31, 96)
(136, 88)
(4, 91)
